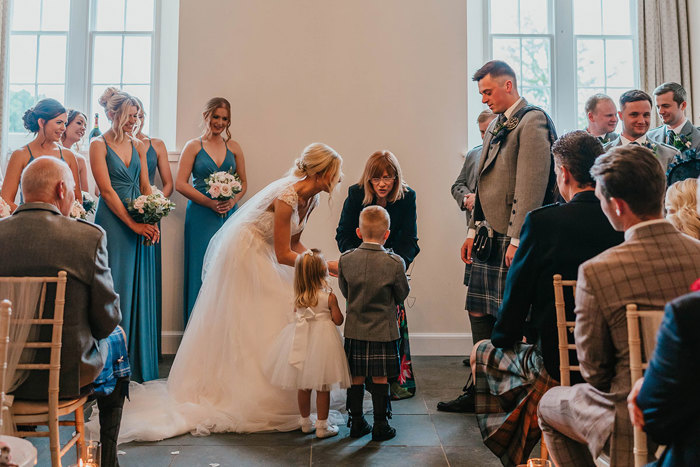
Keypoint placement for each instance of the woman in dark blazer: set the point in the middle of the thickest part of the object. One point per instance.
(382, 184)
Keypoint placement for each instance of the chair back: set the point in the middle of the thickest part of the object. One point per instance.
(641, 323)
(56, 323)
(5, 313)
(564, 326)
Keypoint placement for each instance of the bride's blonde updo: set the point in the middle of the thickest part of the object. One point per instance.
(319, 158)
(116, 104)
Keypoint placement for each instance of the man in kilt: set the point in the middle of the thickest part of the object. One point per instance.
(515, 176)
(373, 280)
(511, 376)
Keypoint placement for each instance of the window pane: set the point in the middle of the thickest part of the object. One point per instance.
(616, 19)
(109, 15)
(25, 15)
(590, 60)
(508, 50)
(55, 15)
(504, 24)
(535, 63)
(106, 63)
(22, 59)
(587, 17)
(20, 98)
(52, 59)
(533, 17)
(615, 94)
(143, 92)
(51, 90)
(137, 59)
(139, 15)
(96, 108)
(620, 62)
(538, 96)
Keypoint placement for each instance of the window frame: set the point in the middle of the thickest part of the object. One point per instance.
(79, 58)
(563, 56)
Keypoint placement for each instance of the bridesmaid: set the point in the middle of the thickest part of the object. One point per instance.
(47, 120)
(157, 158)
(383, 185)
(212, 152)
(76, 125)
(120, 169)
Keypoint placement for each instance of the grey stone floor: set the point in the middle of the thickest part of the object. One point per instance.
(425, 437)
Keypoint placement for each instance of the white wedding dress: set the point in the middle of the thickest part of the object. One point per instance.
(216, 383)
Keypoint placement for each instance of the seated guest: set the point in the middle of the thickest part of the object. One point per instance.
(602, 117)
(653, 265)
(635, 113)
(677, 131)
(40, 240)
(681, 207)
(555, 239)
(664, 403)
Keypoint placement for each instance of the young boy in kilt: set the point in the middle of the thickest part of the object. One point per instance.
(373, 280)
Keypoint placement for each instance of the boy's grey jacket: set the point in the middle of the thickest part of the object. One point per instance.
(373, 280)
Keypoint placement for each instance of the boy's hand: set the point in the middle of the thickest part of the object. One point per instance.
(333, 268)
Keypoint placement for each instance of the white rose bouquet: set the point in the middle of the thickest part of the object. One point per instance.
(89, 203)
(150, 209)
(77, 211)
(223, 186)
(4, 209)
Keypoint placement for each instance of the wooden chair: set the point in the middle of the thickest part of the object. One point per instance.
(638, 365)
(47, 412)
(5, 313)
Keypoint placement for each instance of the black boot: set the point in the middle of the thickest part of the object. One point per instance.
(358, 425)
(381, 431)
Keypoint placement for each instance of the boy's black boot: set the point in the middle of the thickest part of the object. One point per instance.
(358, 425)
(381, 431)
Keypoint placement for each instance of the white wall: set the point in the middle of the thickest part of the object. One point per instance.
(693, 20)
(359, 76)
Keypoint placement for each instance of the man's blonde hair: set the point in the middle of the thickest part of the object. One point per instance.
(374, 221)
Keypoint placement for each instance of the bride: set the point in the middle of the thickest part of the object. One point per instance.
(216, 382)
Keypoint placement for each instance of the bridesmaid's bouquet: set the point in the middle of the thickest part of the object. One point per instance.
(222, 186)
(150, 209)
(77, 211)
(89, 203)
(4, 209)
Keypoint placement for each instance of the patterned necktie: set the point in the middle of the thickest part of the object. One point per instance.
(635, 143)
(670, 137)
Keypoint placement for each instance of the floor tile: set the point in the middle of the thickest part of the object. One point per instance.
(471, 457)
(225, 456)
(457, 429)
(348, 454)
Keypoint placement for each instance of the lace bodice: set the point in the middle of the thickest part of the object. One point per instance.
(265, 222)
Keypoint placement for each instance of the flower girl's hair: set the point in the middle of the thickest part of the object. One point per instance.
(310, 275)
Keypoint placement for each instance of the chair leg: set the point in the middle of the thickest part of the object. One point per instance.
(54, 440)
(544, 453)
(80, 429)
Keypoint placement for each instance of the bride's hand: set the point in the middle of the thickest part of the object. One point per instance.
(333, 268)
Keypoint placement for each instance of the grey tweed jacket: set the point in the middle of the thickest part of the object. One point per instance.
(466, 181)
(658, 134)
(663, 152)
(38, 241)
(654, 265)
(513, 173)
(374, 282)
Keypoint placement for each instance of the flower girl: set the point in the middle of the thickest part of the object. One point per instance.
(308, 354)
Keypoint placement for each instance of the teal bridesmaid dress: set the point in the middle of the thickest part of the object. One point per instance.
(152, 159)
(133, 270)
(201, 223)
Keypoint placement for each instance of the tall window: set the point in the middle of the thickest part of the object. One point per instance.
(564, 51)
(71, 50)
(37, 55)
(122, 38)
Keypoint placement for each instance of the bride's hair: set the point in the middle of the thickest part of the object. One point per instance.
(310, 275)
(681, 203)
(319, 158)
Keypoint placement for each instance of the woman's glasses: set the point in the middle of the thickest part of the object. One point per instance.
(376, 180)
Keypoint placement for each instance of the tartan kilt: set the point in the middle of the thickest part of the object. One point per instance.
(509, 385)
(487, 280)
(369, 358)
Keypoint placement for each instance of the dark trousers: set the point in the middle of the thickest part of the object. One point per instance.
(110, 407)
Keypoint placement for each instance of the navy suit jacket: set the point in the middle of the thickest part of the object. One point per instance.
(669, 397)
(555, 239)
